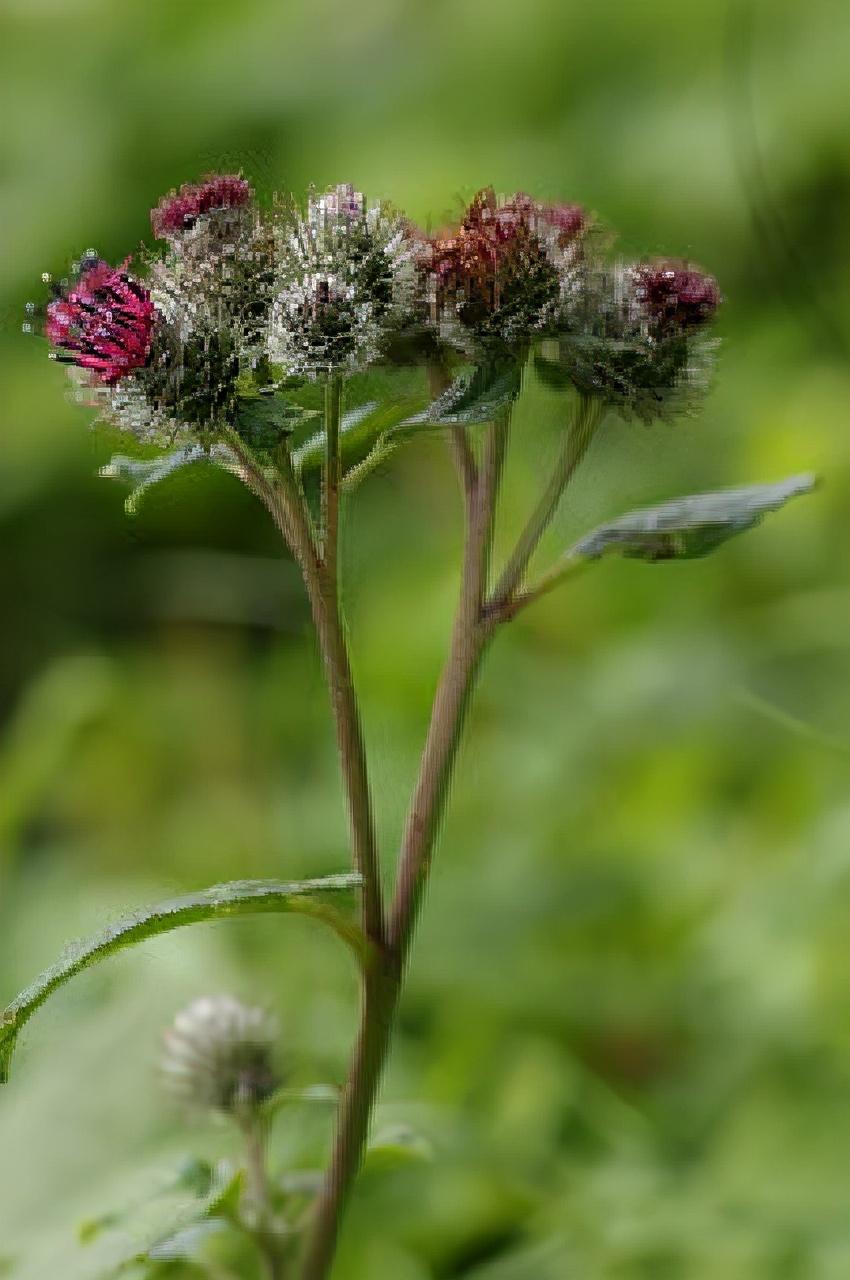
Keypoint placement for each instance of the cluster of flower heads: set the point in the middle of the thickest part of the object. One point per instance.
(242, 297)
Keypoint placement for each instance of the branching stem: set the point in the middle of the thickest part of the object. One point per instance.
(575, 446)
(476, 619)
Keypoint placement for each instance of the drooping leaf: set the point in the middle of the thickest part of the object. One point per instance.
(142, 473)
(690, 527)
(240, 897)
(312, 451)
(363, 430)
(472, 398)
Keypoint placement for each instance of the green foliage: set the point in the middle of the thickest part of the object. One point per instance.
(688, 528)
(142, 474)
(474, 396)
(239, 897)
(266, 419)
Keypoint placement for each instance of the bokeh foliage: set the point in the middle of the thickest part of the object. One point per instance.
(626, 1036)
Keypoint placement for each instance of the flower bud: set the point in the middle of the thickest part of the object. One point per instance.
(218, 1055)
(505, 270)
(676, 295)
(180, 211)
(631, 337)
(104, 322)
(345, 283)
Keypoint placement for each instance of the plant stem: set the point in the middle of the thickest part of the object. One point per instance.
(284, 500)
(474, 625)
(257, 1197)
(569, 566)
(383, 981)
(575, 446)
(332, 477)
(381, 987)
(470, 633)
(439, 381)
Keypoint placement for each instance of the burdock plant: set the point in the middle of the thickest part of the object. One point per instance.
(214, 347)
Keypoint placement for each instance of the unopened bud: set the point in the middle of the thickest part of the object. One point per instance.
(218, 1054)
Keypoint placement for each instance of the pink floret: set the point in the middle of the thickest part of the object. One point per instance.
(179, 210)
(104, 322)
(676, 293)
(570, 220)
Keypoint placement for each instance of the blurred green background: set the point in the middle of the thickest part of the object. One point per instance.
(626, 1036)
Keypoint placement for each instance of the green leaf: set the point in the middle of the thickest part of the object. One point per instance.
(263, 420)
(362, 431)
(690, 527)
(239, 897)
(225, 1196)
(472, 398)
(312, 451)
(142, 473)
(327, 1094)
(194, 1176)
(395, 1147)
(552, 374)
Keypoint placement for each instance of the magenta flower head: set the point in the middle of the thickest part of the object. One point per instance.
(180, 210)
(675, 294)
(103, 322)
(569, 220)
(507, 267)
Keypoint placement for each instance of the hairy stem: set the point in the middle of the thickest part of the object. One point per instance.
(470, 634)
(439, 381)
(332, 477)
(574, 448)
(379, 1000)
(383, 983)
(285, 502)
(476, 620)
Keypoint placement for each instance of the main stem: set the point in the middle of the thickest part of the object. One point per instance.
(382, 983)
(474, 625)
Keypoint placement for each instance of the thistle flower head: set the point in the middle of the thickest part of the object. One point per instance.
(179, 211)
(503, 272)
(218, 1055)
(103, 322)
(345, 280)
(675, 294)
(632, 337)
(342, 204)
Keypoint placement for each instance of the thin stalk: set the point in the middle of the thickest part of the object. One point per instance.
(569, 566)
(473, 628)
(332, 477)
(285, 502)
(575, 446)
(383, 982)
(258, 1196)
(439, 381)
(470, 633)
(380, 997)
